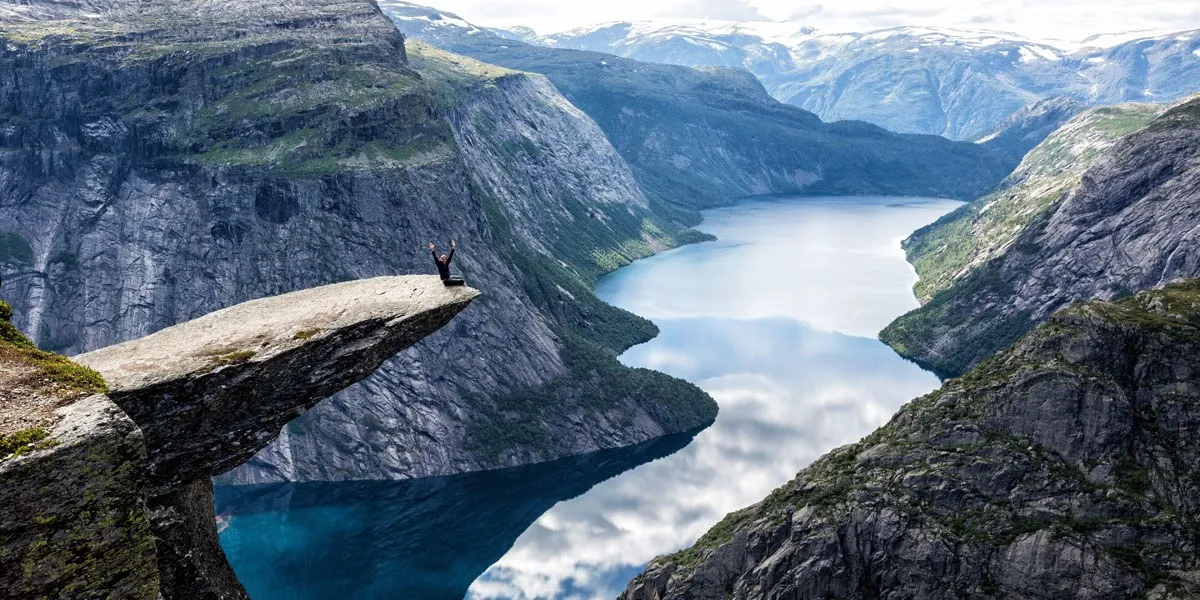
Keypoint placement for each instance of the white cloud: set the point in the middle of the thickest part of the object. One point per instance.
(1063, 19)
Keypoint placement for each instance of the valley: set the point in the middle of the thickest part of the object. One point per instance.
(753, 309)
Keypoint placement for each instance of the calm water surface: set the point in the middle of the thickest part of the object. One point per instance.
(777, 320)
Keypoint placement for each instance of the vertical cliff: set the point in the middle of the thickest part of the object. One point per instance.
(164, 159)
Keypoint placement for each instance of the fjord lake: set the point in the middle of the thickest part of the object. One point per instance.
(777, 320)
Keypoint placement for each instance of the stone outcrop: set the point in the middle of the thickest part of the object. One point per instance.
(1128, 223)
(1065, 467)
(210, 393)
(74, 522)
(118, 500)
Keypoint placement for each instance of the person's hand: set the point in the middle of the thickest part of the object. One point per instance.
(431, 245)
(451, 243)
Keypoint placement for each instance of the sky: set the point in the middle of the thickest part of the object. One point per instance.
(1044, 19)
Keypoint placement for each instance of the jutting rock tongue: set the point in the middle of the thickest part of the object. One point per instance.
(209, 393)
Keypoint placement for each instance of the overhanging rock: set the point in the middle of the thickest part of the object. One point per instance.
(210, 393)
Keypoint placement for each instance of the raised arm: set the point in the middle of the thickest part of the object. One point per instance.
(433, 251)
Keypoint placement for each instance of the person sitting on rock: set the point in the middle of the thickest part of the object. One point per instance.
(443, 265)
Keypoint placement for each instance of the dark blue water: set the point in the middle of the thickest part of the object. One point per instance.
(776, 320)
(423, 538)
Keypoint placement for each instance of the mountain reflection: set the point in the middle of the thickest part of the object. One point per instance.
(423, 538)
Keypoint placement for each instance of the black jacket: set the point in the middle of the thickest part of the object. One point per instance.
(443, 268)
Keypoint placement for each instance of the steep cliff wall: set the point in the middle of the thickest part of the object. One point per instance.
(1128, 223)
(1065, 467)
(170, 159)
(947, 250)
(74, 523)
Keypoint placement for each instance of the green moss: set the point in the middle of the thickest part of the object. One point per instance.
(454, 78)
(233, 358)
(59, 370)
(98, 546)
(306, 334)
(25, 441)
(39, 33)
(5, 312)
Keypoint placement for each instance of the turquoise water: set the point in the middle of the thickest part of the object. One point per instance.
(423, 538)
(777, 320)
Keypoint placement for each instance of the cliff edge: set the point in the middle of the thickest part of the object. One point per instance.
(113, 498)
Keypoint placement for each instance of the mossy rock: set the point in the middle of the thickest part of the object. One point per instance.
(25, 441)
(61, 371)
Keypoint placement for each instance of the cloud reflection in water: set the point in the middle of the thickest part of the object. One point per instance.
(777, 320)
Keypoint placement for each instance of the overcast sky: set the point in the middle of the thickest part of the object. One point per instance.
(1062, 19)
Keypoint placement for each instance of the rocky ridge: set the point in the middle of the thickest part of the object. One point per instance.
(1064, 467)
(1029, 126)
(947, 250)
(117, 501)
(1128, 223)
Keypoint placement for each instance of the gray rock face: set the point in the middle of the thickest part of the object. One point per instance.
(210, 393)
(1129, 224)
(74, 523)
(1062, 468)
(169, 159)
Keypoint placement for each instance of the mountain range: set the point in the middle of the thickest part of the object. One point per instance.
(951, 82)
(163, 159)
(696, 138)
